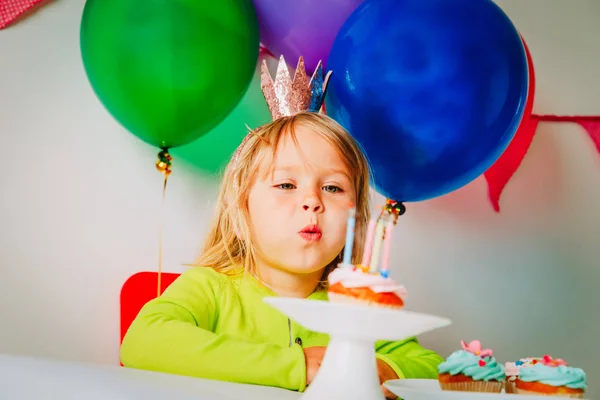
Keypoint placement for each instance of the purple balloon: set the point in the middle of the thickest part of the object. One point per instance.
(306, 28)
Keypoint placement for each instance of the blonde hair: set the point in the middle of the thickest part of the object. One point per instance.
(228, 247)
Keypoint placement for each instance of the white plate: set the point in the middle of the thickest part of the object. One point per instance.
(356, 321)
(429, 389)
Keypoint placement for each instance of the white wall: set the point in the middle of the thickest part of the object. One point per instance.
(76, 223)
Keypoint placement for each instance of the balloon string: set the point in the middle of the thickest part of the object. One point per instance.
(565, 118)
(160, 236)
(163, 165)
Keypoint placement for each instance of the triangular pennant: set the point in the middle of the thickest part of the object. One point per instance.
(264, 53)
(593, 130)
(12, 10)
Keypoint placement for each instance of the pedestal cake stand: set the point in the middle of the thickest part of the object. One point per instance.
(349, 368)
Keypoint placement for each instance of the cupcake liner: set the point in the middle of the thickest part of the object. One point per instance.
(509, 387)
(474, 386)
(567, 395)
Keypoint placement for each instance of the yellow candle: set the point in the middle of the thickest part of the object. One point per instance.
(379, 232)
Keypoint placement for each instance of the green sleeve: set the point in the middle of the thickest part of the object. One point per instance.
(173, 334)
(409, 359)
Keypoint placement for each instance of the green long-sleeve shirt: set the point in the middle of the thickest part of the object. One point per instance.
(210, 325)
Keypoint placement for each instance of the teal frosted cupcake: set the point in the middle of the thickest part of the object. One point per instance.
(471, 370)
(552, 377)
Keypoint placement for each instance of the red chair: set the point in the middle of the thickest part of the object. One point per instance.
(137, 291)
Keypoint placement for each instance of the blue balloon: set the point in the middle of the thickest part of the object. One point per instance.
(432, 90)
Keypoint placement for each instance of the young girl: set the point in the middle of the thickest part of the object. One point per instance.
(279, 230)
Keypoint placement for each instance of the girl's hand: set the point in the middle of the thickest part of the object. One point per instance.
(386, 373)
(313, 357)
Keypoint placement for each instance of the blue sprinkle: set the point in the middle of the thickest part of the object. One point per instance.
(385, 274)
(519, 363)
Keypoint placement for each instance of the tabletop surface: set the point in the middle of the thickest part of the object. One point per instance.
(23, 377)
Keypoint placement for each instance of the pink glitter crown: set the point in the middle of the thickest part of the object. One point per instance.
(286, 96)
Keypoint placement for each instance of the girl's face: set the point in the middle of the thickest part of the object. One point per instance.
(299, 209)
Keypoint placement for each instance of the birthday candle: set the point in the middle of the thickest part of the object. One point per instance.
(377, 246)
(387, 247)
(369, 243)
(349, 237)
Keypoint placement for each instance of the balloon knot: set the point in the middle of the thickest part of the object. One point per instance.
(393, 209)
(163, 164)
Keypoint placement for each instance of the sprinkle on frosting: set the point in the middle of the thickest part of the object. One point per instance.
(473, 362)
(553, 362)
(513, 368)
(560, 375)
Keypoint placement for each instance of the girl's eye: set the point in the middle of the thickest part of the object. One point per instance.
(286, 186)
(332, 189)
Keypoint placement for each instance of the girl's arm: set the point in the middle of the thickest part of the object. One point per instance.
(409, 359)
(173, 334)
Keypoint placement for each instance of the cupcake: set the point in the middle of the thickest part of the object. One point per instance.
(471, 370)
(352, 285)
(511, 369)
(552, 377)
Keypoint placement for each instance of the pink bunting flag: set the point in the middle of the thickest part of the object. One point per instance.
(592, 126)
(12, 10)
(263, 53)
(501, 172)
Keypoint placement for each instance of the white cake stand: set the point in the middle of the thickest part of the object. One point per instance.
(349, 368)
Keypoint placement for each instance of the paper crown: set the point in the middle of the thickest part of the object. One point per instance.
(287, 97)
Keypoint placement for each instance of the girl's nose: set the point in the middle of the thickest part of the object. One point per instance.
(313, 204)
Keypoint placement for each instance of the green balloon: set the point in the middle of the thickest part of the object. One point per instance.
(169, 70)
(211, 153)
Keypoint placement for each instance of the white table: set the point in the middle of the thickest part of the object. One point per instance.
(24, 377)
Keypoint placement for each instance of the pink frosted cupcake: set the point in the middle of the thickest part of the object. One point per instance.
(351, 285)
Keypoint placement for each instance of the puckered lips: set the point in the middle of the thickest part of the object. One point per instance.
(311, 233)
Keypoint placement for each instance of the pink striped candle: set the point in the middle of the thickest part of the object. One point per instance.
(369, 242)
(387, 247)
